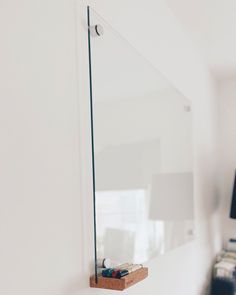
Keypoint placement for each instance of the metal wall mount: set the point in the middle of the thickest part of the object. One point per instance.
(96, 30)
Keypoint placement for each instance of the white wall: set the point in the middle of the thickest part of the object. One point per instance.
(227, 105)
(46, 205)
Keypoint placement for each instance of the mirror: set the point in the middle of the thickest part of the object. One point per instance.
(142, 148)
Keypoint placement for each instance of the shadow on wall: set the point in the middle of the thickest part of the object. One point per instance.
(206, 288)
(210, 204)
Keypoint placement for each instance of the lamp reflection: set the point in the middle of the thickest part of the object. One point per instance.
(172, 203)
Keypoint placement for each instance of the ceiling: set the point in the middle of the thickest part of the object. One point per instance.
(212, 26)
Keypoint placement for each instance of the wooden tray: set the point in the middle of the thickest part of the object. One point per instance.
(120, 284)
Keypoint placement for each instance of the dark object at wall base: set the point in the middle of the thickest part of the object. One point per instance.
(222, 286)
(233, 203)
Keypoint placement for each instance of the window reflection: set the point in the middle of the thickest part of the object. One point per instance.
(125, 232)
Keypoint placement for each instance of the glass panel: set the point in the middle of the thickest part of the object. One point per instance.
(142, 153)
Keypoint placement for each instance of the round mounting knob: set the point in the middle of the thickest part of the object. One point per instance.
(96, 30)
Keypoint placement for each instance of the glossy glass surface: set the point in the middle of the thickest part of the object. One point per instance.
(142, 154)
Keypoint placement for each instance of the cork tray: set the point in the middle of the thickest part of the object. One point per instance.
(119, 284)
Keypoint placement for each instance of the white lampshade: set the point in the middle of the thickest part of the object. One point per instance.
(171, 197)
